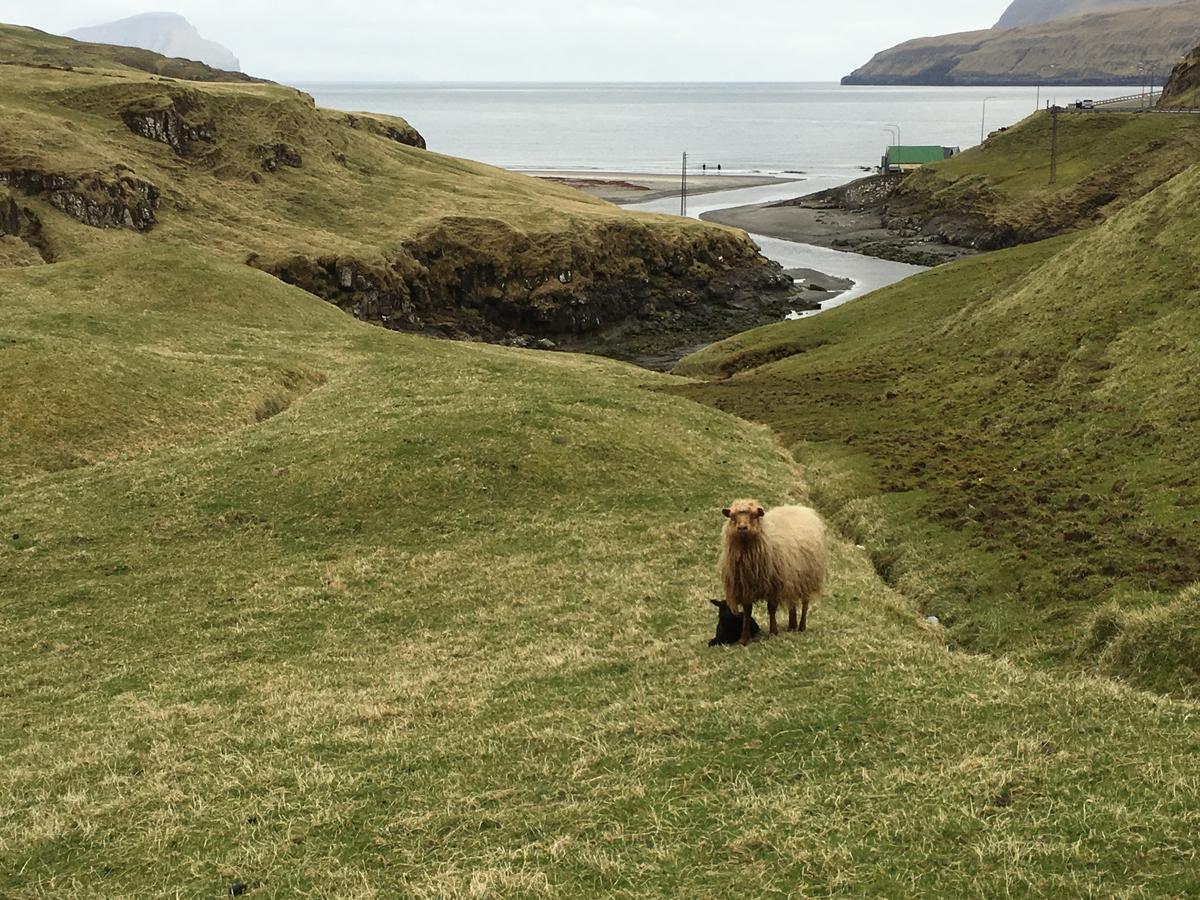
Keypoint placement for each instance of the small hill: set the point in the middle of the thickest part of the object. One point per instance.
(1034, 12)
(999, 194)
(100, 152)
(1097, 48)
(161, 32)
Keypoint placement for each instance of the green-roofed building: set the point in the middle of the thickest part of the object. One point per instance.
(900, 158)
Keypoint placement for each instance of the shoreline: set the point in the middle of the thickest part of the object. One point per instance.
(813, 220)
(624, 188)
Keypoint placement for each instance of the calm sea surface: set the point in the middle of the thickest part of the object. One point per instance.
(819, 129)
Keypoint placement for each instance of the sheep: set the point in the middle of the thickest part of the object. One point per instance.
(779, 556)
(729, 625)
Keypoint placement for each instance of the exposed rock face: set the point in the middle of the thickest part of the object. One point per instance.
(448, 283)
(1099, 48)
(161, 32)
(20, 223)
(97, 200)
(390, 130)
(279, 154)
(1183, 88)
(172, 125)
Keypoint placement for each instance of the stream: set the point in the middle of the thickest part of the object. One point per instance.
(867, 272)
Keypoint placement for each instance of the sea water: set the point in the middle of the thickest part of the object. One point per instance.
(817, 129)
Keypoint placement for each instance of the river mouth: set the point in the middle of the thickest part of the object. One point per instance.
(824, 278)
(868, 273)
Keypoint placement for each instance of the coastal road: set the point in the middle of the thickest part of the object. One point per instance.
(867, 272)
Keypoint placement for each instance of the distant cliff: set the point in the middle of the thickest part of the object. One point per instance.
(1099, 48)
(1034, 12)
(166, 33)
(1183, 89)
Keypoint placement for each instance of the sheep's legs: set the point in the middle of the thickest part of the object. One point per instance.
(804, 615)
(771, 608)
(747, 612)
(792, 618)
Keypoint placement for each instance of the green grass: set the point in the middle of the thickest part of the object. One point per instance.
(1105, 162)
(334, 611)
(1013, 436)
(438, 628)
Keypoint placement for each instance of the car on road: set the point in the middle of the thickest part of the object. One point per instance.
(1085, 104)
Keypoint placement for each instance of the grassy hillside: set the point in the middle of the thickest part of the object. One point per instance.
(292, 605)
(1013, 436)
(1096, 48)
(336, 611)
(999, 194)
(348, 206)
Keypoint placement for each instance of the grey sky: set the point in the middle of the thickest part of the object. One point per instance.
(668, 40)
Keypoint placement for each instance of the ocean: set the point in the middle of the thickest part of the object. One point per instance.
(817, 129)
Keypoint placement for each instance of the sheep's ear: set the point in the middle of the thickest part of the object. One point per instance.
(727, 512)
(760, 512)
(716, 603)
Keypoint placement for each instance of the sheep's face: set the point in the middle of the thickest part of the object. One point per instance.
(745, 518)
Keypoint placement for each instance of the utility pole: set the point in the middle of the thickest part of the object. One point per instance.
(983, 119)
(683, 189)
(1053, 144)
(1038, 105)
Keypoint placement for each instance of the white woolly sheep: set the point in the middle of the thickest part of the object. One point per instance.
(779, 556)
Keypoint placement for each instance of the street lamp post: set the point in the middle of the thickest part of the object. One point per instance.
(983, 119)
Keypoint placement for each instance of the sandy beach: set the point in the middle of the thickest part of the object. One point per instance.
(624, 187)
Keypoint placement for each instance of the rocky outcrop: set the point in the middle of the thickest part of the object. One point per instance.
(453, 283)
(100, 201)
(20, 223)
(179, 125)
(1183, 87)
(277, 155)
(1101, 48)
(393, 129)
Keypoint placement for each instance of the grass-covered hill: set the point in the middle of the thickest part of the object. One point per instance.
(1014, 437)
(98, 155)
(328, 610)
(999, 194)
(1107, 46)
(292, 605)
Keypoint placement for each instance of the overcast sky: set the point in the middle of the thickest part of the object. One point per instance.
(540, 40)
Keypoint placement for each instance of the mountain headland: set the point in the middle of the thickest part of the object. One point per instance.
(1121, 46)
(166, 33)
